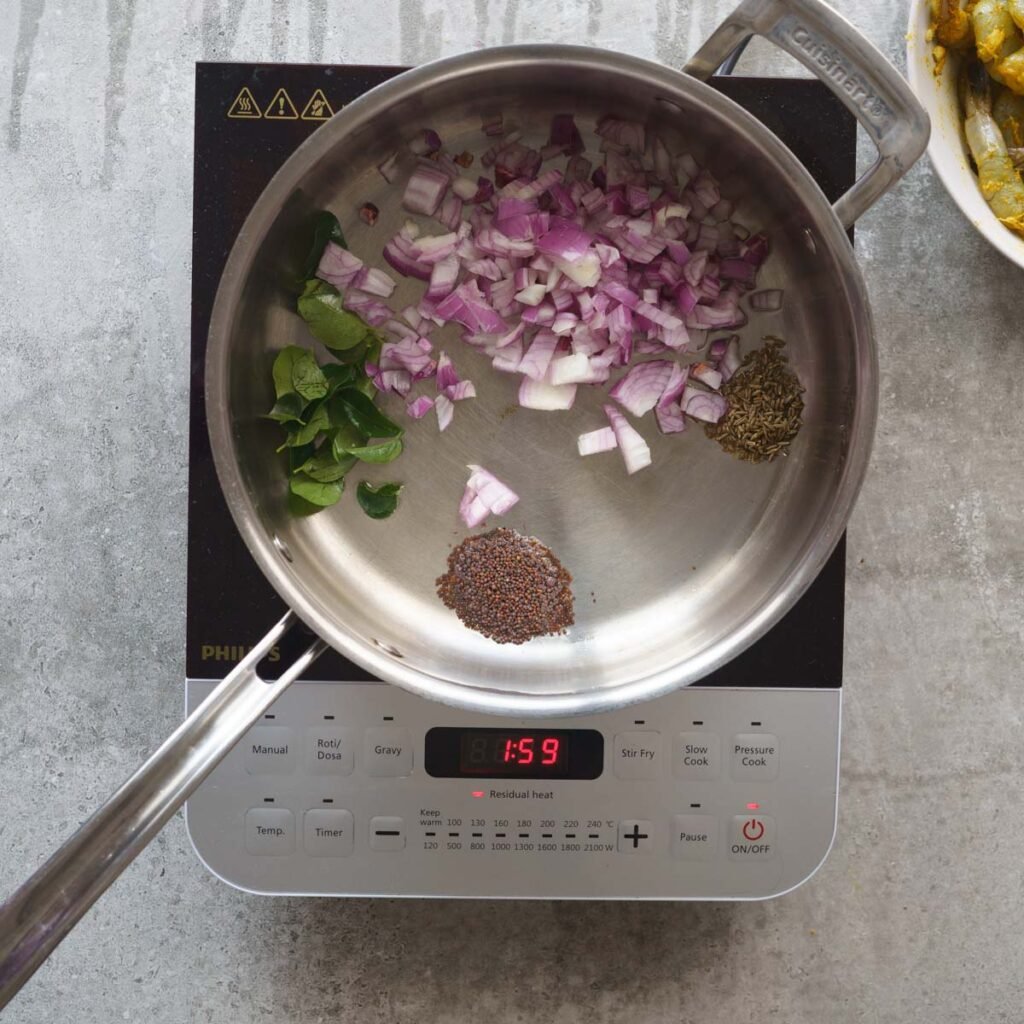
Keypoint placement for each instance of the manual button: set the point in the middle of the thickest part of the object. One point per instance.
(755, 756)
(637, 754)
(269, 750)
(388, 753)
(752, 837)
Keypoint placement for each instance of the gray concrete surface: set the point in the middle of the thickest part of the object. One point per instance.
(917, 915)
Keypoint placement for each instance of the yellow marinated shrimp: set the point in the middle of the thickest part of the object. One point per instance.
(1008, 110)
(999, 40)
(952, 23)
(1000, 181)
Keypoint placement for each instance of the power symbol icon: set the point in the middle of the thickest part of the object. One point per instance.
(753, 830)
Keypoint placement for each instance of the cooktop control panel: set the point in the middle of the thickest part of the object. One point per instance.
(363, 789)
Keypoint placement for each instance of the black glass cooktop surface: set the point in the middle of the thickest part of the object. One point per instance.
(249, 118)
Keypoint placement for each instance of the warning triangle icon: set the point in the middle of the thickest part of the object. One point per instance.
(245, 105)
(317, 109)
(281, 108)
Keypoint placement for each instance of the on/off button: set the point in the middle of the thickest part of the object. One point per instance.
(752, 837)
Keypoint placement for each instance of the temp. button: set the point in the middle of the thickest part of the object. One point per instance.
(388, 753)
(637, 754)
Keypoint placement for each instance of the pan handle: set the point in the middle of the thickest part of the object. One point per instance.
(35, 919)
(851, 67)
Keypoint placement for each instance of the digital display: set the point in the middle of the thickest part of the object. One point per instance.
(515, 753)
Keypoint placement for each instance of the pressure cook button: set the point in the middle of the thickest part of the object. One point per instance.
(269, 831)
(328, 833)
(694, 836)
(329, 751)
(269, 750)
(635, 836)
(637, 755)
(387, 834)
(697, 756)
(752, 837)
(755, 756)
(388, 753)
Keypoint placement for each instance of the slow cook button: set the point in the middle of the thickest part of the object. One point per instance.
(695, 836)
(328, 833)
(696, 756)
(269, 750)
(752, 837)
(388, 753)
(755, 756)
(330, 751)
(269, 831)
(637, 754)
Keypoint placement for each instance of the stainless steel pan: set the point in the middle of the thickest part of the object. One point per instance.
(689, 562)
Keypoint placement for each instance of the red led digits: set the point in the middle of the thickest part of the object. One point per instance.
(549, 748)
(508, 751)
(526, 750)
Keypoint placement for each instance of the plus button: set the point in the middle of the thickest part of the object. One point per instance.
(635, 836)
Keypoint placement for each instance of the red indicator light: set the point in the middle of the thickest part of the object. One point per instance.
(753, 807)
(478, 793)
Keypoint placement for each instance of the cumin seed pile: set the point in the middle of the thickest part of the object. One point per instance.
(765, 406)
(509, 587)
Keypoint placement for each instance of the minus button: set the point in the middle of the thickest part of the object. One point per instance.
(387, 834)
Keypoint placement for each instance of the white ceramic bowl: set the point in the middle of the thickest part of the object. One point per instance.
(947, 148)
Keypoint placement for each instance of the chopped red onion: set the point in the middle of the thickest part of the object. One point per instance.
(703, 405)
(389, 168)
(596, 441)
(427, 185)
(639, 390)
(635, 452)
(768, 300)
(668, 411)
(485, 495)
(535, 394)
(706, 375)
(460, 391)
(419, 407)
(445, 411)
(338, 266)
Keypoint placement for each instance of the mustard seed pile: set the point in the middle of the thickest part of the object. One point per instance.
(765, 406)
(509, 587)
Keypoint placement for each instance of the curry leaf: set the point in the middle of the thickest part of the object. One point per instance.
(323, 228)
(317, 422)
(378, 502)
(362, 414)
(283, 364)
(307, 377)
(325, 468)
(383, 451)
(338, 328)
(288, 408)
(315, 492)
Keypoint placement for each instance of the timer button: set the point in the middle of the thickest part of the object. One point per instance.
(637, 755)
(388, 753)
(328, 833)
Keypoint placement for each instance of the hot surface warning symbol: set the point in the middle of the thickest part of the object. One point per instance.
(317, 109)
(244, 105)
(281, 108)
